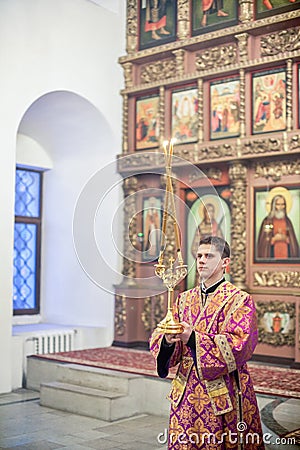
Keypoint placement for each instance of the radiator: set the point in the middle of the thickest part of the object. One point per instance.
(54, 342)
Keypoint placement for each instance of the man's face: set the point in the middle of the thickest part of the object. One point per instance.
(211, 211)
(210, 264)
(279, 208)
(280, 204)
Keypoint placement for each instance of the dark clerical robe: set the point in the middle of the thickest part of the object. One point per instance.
(213, 404)
(286, 246)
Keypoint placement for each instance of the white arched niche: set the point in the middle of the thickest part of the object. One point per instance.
(65, 135)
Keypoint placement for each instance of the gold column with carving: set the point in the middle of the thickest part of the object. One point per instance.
(289, 95)
(238, 179)
(127, 67)
(200, 110)
(183, 19)
(246, 10)
(120, 314)
(130, 230)
(179, 56)
(243, 46)
(125, 125)
(242, 103)
(161, 115)
(132, 31)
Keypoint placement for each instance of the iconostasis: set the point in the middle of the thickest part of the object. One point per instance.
(221, 79)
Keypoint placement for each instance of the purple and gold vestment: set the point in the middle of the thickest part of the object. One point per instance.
(213, 404)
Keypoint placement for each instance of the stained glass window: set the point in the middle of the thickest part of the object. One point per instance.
(27, 242)
(27, 201)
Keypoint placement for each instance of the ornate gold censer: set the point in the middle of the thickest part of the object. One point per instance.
(170, 274)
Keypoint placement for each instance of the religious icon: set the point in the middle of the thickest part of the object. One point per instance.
(157, 22)
(276, 322)
(265, 8)
(147, 123)
(185, 116)
(269, 101)
(209, 215)
(210, 15)
(151, 228)
(277, 224)
(224, 109)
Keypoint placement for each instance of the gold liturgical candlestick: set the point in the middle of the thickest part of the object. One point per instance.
(170, 274)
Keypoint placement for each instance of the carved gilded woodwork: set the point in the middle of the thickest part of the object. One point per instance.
(179, 58)
(212, 172)
(223, 150)
(183, 18)
(200, 111)
(247, 25)
(147, 314)
(246, 10)
(127, 67)
(257, 146)
(268, 278)
(132, 31)
(206, 152)
(243, 46)
(216, 70)
(130, 229)
(276, 169)
(199, 59)
(289, 95)
(161, 115)
(294, 143)
(287, 40)
(216, 57)
(157, 71)
(140, 160)
(242, 104)
(271, 330)
(282, 143)
(120, 314)
(154, 311)
(125, 124)
(238, 177)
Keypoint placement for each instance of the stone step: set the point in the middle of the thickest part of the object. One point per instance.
(133, 394)
(93, 377)
(43, 370)
(86, 401)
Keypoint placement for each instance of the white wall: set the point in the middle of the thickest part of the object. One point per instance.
(59, 86)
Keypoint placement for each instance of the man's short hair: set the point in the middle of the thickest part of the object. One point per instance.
(219, 243)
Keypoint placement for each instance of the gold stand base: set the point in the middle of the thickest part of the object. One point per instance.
(169, 326)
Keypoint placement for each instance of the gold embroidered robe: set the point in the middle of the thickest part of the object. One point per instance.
(213, 404)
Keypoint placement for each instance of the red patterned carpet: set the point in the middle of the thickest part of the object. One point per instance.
(269, 380)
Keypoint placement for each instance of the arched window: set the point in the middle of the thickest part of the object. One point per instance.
(27, 242)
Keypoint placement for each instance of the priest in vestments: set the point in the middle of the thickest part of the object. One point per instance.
(213, 404)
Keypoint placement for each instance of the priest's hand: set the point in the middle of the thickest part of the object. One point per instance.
(185, 335)
(172, 338)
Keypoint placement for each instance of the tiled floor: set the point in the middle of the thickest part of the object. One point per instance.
(24, 424)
